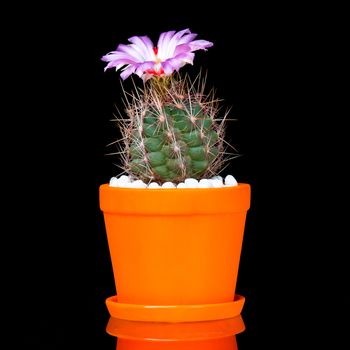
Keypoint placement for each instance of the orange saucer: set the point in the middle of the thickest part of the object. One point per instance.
(151, 331)
(174, 313)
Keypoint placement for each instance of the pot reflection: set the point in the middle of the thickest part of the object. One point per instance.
(206, 335)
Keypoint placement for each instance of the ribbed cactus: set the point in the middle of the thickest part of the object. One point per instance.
(172, 133)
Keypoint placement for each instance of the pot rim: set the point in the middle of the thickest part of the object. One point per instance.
(174, 201)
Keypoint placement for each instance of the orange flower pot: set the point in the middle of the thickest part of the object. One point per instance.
(177, 250)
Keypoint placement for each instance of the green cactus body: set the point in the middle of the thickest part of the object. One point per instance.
(170, 137)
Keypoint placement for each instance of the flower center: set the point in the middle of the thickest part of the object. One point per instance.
(158, 69)
(157, 60)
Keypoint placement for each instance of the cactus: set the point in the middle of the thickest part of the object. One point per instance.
(172, 133)
(173, 130)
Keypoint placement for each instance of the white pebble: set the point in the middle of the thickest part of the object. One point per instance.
(204, 183)
(191, 183)
(124, 184)
(217, 183)
(153, 185)
(138, 184)
(113, 182)
(124, 178)
(168, 184)
(230, 181)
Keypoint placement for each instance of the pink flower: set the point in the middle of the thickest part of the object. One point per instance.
(141, 57)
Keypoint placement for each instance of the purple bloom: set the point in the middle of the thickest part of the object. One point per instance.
(141, 57)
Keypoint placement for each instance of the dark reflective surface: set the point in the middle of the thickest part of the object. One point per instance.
(205, 335)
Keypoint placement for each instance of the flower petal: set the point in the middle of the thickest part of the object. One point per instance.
(200, 45)
(168, 67)
(127, 71)
(118, 63)
(115, 55)
(187, 38)
(175, 41)
(163, 44)
(175, 63)
(131, 51)
(144, 45)
(182, 48)
(186, 57)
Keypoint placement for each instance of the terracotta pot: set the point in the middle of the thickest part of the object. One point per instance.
(175, 246)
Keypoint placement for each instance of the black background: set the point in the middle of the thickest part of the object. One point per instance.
(263, 65)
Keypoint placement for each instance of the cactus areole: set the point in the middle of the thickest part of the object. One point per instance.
(171, 129)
